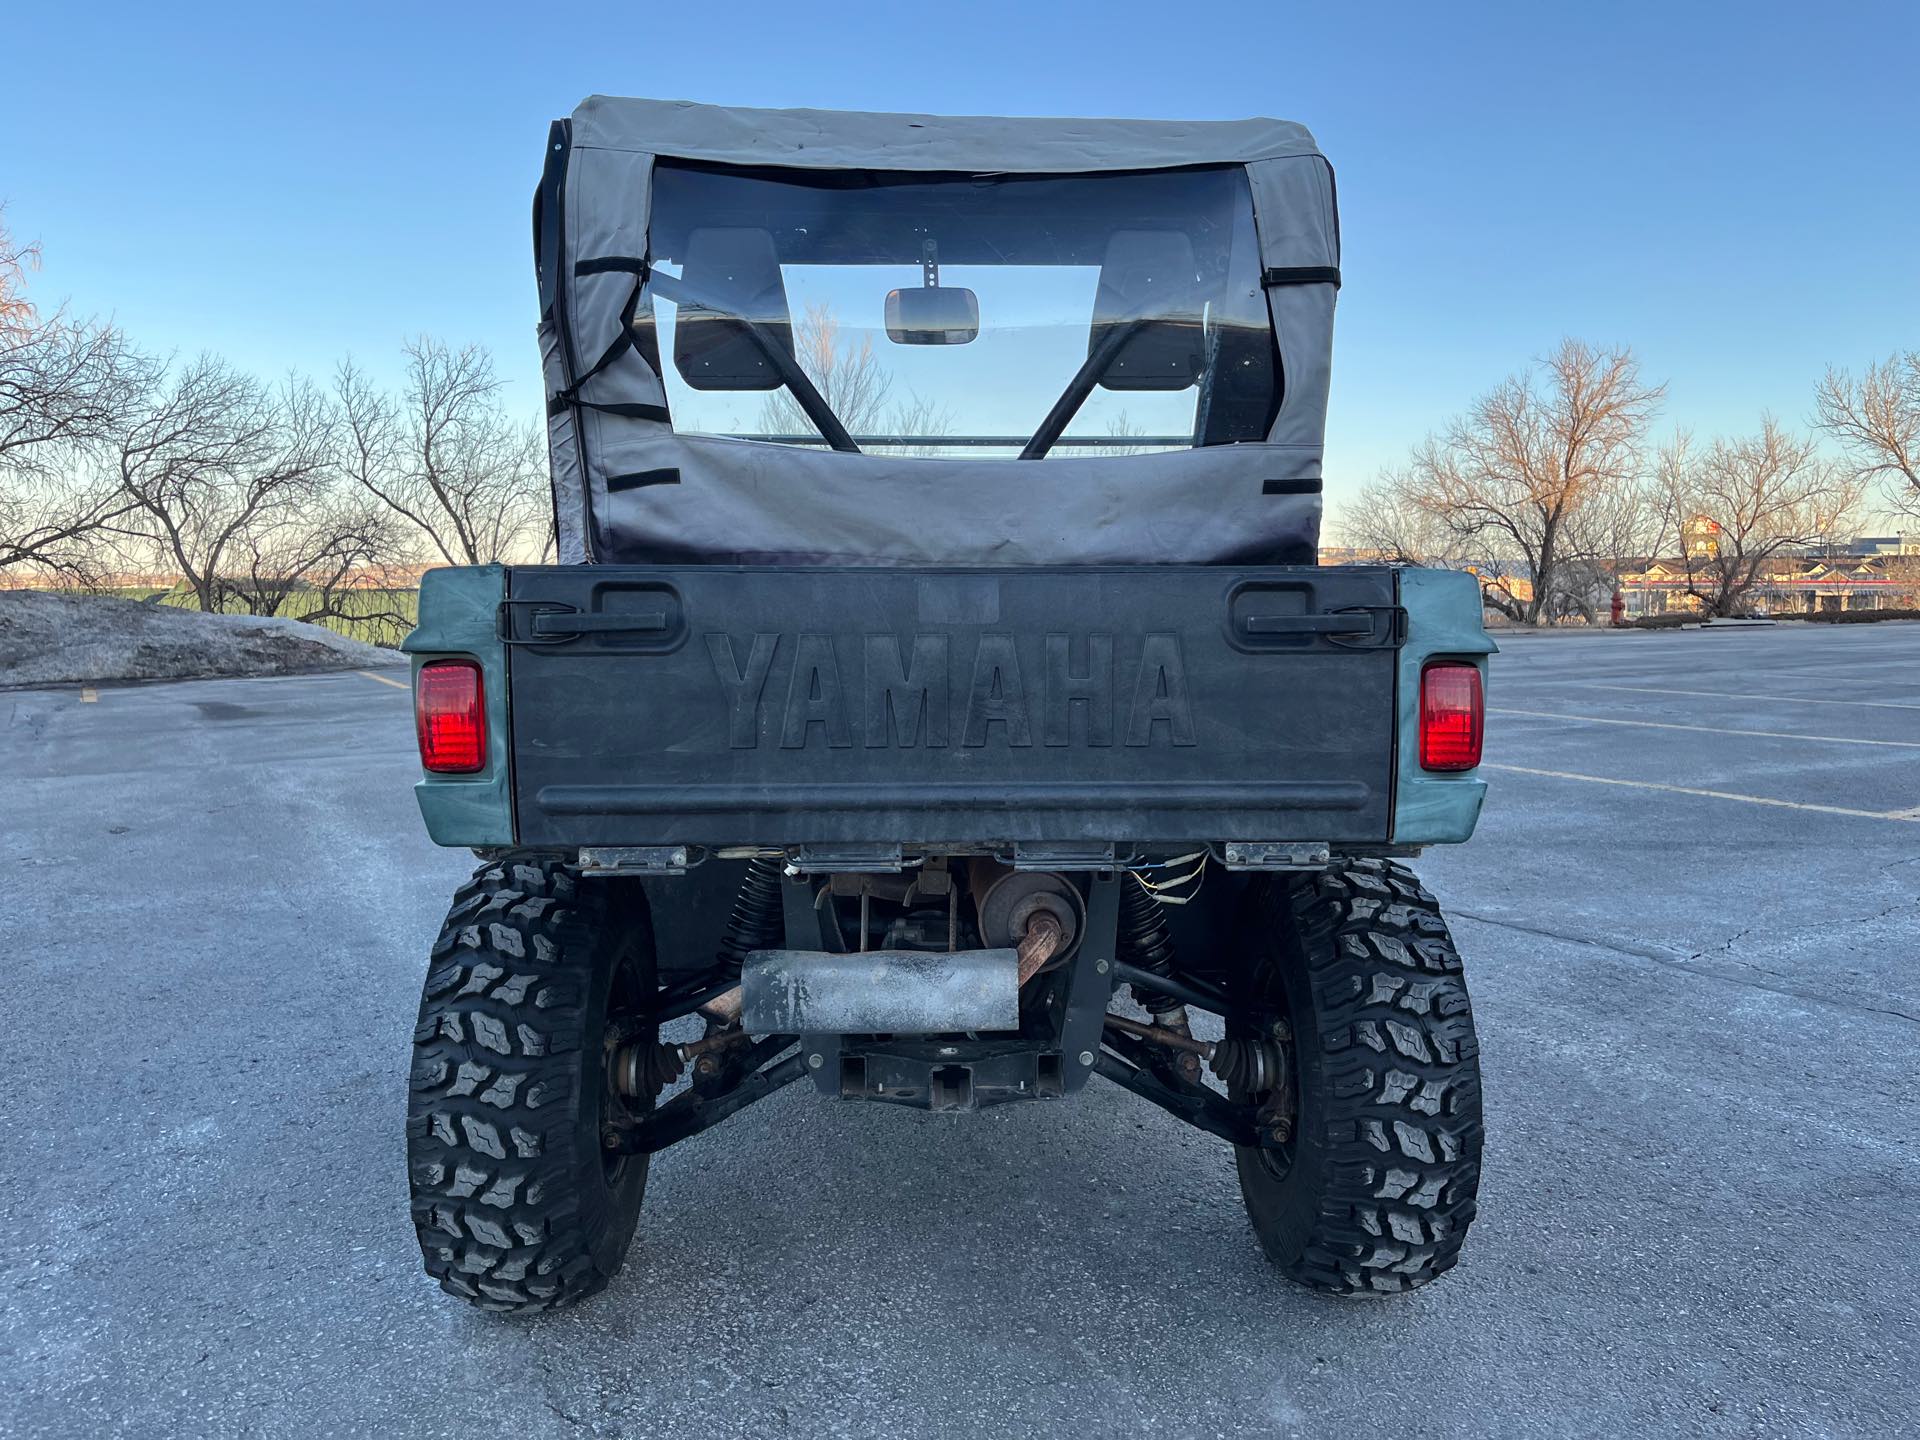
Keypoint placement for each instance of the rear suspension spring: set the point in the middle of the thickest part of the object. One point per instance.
(1146, 943)
(757, 922)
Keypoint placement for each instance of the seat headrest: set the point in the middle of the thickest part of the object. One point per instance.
(739, 268)
(1150, 274)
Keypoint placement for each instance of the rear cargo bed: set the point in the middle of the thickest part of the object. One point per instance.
(718, 706)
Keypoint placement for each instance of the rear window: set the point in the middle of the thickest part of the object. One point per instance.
(960, 315)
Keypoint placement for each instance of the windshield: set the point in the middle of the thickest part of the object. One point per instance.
(960, 315)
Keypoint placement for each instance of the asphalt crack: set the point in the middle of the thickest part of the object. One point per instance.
(1673, 959)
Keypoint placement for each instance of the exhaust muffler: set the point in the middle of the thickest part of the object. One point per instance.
(879, 992)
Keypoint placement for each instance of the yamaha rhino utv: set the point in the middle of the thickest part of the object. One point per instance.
(937, 695)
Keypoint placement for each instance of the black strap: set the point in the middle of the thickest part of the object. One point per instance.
(628, 410)
(613, 265)
(638, 479)
(622, 338)
(1290, 487)
(622, 342)
(1279, 275)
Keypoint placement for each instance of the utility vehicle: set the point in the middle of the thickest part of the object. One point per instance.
(937, 694)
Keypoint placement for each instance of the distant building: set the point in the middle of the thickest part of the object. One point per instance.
(1874, 572)
(1354, 555)
(1700, 537)
(1863, 577)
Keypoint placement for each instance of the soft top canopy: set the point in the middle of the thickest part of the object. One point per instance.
(629, 487)
(853, 140)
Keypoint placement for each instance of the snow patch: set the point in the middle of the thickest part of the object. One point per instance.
(48, 639)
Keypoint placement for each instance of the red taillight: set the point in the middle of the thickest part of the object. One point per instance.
(450, 712)
(1452, 717)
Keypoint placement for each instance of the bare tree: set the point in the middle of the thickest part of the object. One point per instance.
(16, 258)
(1386, 522)
(856, 387)
(1119, 427)
(308, 559)
(1877, 420)
(848, 376)
(925, 421)
(1512, 481)
(53, 523)
(1614, 532)
(446, 458)
(216, 456)
(1388, 525)
(65, 384)
(1738, 503)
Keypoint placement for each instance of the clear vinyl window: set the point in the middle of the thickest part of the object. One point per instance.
(982, 316)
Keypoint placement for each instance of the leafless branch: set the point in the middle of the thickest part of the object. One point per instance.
(848, 376)
(318, 553)
(445, 458)
(1533, 486)
(1736, 504)
(1876, 419)
(65, 385)
(216, 456)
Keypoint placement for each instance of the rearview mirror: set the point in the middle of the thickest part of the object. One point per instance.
(933, 315)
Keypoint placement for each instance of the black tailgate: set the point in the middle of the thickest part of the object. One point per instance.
(720, 706)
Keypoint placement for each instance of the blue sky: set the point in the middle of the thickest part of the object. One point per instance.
(1733, 190)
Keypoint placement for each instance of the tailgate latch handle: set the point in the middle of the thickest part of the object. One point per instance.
(550, 622)
(553, 624)
(1358, 623)
(1356, 629)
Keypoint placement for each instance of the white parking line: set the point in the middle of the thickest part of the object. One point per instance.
(1736, 695)
(1705, 729)
(1911, 816)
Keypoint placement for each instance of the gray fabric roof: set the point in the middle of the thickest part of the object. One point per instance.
(837, 139)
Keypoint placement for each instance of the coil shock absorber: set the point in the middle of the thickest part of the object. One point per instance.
(757, 922)
(642, 1070)
(1146, 943)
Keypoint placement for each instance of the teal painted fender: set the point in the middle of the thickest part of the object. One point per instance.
(1443, 622)
(459, 616)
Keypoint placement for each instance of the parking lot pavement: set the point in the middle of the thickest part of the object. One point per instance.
(1698, 1015)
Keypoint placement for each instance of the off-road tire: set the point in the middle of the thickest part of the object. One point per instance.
(517, 1205)
(1377, 1188)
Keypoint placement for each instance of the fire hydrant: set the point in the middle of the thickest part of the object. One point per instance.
(1619, 607)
